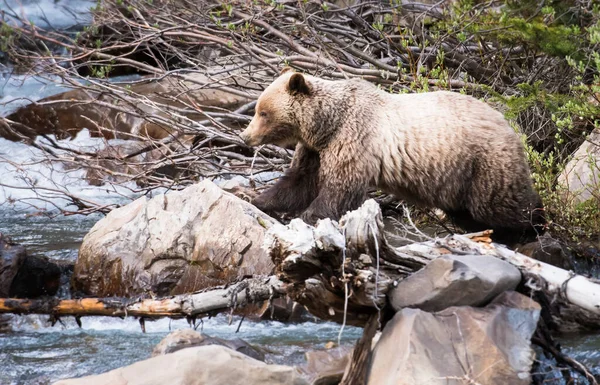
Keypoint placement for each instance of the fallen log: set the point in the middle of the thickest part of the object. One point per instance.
(342, 272)
(218, 299)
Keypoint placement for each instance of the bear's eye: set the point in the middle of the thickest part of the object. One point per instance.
(262, 114)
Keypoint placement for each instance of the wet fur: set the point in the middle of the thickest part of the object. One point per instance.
(437, 149)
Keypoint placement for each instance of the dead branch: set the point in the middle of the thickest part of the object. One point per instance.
(210, 301)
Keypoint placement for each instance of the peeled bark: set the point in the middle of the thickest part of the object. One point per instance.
(250, 290)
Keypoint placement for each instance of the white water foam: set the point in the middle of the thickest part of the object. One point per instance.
(23, 166)
(53, 14)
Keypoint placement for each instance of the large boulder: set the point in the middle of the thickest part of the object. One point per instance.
(23, 275)
(179, 242)
(460, 345)
(204, 365)
(581, 176)
(187, 338)
(455, 280)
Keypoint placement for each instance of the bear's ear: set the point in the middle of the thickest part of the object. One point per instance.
(285, 69)
(298, 85)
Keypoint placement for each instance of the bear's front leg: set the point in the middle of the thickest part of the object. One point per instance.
(297, 188)
(344, 184)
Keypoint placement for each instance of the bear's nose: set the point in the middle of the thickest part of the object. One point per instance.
(245, 137)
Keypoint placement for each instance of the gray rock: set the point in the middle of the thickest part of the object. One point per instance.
(204, 365)
(581, 176)
(187, 338)
(455, 280)
(460, 345)
(171, 244)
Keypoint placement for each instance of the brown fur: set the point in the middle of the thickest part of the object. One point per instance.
(437, 149)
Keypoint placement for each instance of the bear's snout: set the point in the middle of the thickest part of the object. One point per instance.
(245, 137)
(248, 138)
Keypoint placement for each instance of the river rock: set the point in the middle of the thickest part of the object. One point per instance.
(67, 113)
(455, 280)
(23, 275)
(173, 243)
(548, 250)
(187, 338)
(459, 345)
(204, 365)
(581, 176)
(326, 367)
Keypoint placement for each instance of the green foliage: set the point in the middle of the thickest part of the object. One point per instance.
(553, 59)
(7, 37)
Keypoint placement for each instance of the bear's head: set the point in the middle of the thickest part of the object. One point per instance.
(278, 111)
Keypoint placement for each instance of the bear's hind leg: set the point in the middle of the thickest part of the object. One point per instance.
(296, 189)
(506, 235)
(515, 218)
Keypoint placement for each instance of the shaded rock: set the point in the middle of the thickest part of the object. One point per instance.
(459, 345)
(282, 309)
(5, 323)
(548, 250)
(187, 338)
(23, 275)
(176, 243)
(581, 176)
(455, 280)
(326, 367)
(204, 365)
(67, 113)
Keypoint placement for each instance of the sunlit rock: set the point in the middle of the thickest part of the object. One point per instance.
(581, 176)
(187, 338)
(326, 367)
(179, 242)
(204, 365)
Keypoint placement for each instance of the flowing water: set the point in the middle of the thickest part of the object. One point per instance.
(32, 351)
(35, 352)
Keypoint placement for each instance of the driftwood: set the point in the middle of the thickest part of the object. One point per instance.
(192, 305)
(350, 266)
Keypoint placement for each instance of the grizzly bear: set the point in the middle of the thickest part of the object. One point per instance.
(434, 149)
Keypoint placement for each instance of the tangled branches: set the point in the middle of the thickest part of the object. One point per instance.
(196, 67)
